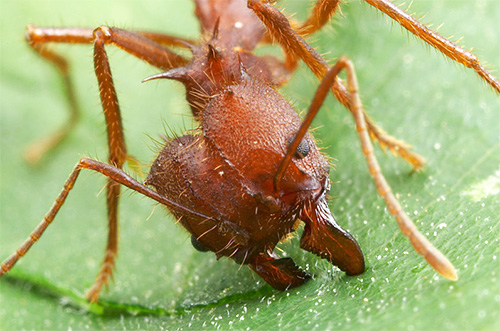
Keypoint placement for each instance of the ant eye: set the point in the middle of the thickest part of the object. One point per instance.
(197, 245)
(303, 148)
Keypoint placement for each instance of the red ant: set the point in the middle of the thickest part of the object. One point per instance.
(241, 182)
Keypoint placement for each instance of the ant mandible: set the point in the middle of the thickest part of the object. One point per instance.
(242, 181)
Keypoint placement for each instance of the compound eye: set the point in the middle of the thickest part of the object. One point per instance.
(197, 245)
(303, 148)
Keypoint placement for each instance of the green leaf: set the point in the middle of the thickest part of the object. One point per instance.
(413, 92)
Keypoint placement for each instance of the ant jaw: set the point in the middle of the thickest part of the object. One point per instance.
(324, 237)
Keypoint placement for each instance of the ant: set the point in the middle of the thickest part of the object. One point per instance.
(240, 183)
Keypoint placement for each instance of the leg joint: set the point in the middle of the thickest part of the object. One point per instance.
(367, 151)
(34, 237)
(103, 33)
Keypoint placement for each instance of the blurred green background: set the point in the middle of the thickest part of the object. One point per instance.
(442, 109)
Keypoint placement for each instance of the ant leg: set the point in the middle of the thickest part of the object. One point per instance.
(140, 47)
(39, 37)
(395, 146)
(116, 141)
(433, 256)
(445, 46)
(117, 156)
(278, 25)
(167, 40)
(114, 174)
(135, 43)
(281, 273)
(321, 14)
(38, 149)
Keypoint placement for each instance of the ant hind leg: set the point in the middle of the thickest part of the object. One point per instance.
(34, 152)
(442, 44)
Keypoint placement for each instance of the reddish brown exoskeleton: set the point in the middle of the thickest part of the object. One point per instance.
(242, 181)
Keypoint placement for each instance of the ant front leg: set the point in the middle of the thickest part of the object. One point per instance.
(116, 141)
(421, 245)
(140, 47)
